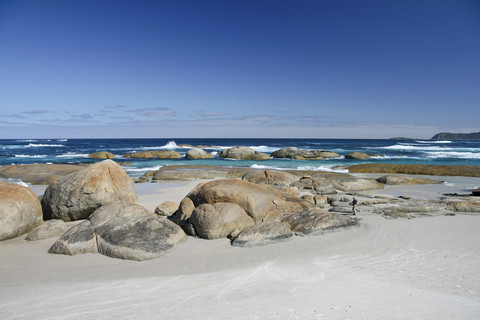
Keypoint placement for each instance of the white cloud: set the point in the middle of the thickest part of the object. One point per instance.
(36, 111)
(159, 112)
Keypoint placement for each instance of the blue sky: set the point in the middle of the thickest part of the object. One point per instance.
(243, 68)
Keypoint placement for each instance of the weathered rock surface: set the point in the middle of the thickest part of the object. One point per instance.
(262, 234)
(197, 153)
(304, 183)
(411, 209)
(166, 208)
(348, 184)
(303, 154)
(464, 206)
(244, 153)
(261, 203)
(77, 195)
(324, 186)
(159, 154)
(121, 230)
(49, 229)
(38, 173)
(271, 177)
(432, 170)
(79, 239)
(219, 220)
(317, 221)
(101, 155)
(357, 156)
(20, 210)
(399, 180)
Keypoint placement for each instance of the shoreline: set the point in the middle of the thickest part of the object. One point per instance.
(386, 268)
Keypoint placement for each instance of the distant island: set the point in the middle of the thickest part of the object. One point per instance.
(456, 136)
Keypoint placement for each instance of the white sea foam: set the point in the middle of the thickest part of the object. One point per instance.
(16, 181)
(261, 166)
(30, 156)
(38, 145)
(170, 145)
(306, 168)
(130, 169)
(440, 141)
(264, 149)
(324, 168)
(62, 140)
(72, 155)
(452, 154)
(414, 147)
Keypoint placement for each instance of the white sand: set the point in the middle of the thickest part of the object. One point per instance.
(425, 268)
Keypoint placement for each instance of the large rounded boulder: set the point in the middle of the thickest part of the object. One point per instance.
(304, 154)
(20, 210)
(124, 231)
(79, 194)
(197, 153)
(244, 153)
(260, 203)
(219, 220)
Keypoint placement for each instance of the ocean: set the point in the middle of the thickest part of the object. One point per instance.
(76, 151)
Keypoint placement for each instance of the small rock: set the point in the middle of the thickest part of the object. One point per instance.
(166, 208)
(357, 156)
(101, 155)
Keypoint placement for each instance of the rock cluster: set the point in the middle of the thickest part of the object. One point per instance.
(417, 169)
(249, 213)
(121, 230)
(401, 179)
(329, 184)
(304, 154)
(244, 153)
(260, 208)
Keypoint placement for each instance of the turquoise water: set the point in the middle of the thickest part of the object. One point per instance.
(74, 151)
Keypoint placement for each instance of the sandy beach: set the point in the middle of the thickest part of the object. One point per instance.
(423, 268)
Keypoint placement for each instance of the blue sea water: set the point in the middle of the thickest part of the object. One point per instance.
(75, 151)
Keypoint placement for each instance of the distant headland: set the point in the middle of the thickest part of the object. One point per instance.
(447, 136)
(456, 136)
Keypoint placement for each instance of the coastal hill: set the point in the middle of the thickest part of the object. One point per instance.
(456, 136)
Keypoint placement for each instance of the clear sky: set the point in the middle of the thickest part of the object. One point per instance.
(239, 68)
